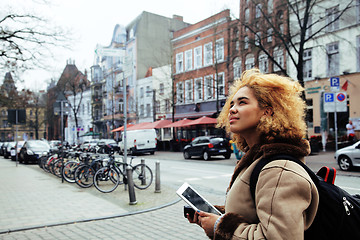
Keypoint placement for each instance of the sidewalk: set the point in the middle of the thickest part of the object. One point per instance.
(36, 205)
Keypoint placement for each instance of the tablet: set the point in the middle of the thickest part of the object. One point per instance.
(195, 200)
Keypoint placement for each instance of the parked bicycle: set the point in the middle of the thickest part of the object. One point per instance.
(108, 178)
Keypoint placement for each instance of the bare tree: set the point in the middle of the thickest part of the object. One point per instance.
(26, 40)
(290, 24)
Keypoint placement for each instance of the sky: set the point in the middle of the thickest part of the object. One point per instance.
(93, 22)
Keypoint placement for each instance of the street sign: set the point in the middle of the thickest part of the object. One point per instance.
(335, 84)
(116, 52)
(335, 102)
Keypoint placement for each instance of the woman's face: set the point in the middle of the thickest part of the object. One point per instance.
(245, 113)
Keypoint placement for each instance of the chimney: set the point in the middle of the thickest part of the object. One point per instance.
(178, 17)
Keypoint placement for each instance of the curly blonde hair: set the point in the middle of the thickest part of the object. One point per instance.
(282, 95)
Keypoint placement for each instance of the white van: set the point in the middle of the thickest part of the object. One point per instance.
(139, 141)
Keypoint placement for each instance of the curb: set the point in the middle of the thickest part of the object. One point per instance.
(90, 219)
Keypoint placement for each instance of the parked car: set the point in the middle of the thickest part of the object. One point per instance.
(89, 146)
(2, 148)
(9, 146)
(107, 146)
(55, 145)
(139, 141)
(33, 150)
(348, 157)
(18, 146)
(208, 146)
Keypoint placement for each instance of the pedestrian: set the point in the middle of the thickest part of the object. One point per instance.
(265, 114)
(350, 130)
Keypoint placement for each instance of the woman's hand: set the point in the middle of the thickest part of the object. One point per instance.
(205, 220)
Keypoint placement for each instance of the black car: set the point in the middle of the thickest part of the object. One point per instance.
(107, 146)
(32, 150)
(2, 148)
(208, 146)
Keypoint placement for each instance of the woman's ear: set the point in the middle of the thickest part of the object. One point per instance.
(268, 111)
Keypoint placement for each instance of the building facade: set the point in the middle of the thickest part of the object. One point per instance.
(200, 67)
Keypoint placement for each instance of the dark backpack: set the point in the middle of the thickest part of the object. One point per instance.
(338, 214)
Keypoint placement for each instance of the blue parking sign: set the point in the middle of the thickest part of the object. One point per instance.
(335, 82)
(329, 97)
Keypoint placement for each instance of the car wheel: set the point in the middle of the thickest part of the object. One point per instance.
(187, 155)
(345, 163)
(152, 153)
(227, 156)
(206, 156)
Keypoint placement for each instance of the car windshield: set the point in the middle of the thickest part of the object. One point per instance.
(110, 141)
(38, 145)
(216, 140)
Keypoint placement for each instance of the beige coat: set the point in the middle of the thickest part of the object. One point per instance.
(286, 204)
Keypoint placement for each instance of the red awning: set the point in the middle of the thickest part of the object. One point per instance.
(138, 126)
(202, 120)
(180, 123)
(121, 128)
(160, 124)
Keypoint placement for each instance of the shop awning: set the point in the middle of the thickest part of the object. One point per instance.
(160, 123)
(121, 128)
(180, 123)
(138, 126)
(202, 120)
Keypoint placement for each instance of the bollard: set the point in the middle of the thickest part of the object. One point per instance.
(143, 173)
(130, 182)
(157, 177)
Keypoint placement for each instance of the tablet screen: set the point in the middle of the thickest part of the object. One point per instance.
(198, 201)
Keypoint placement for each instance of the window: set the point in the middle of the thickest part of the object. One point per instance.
(219, 50)
(208, 54)
(332, 20)
(157, 106)
(309, 113)
(179, 63)
(180, 92)
(333, 59)
(189, 91)
(220, 81)
(141, 92)
(161, 89)
(237, 68)
(237, 46)
(247, 15)
(148, 91)
(148, 110)
(307, 57)
(263, 63)
(188, 60)
(209, 87)
(269, 33)
(258, 10)
(31, 113)
(141, 110)
(257, 38)
(246, 42)
(281, 28)
(279, 58)
(198, 89)
(249, 61)
(270, 6)
(198, 57)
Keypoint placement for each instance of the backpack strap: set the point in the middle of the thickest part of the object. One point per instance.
(328, 174)
(263, 161)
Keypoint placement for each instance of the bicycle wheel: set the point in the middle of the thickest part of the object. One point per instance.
(106, 179)
(56, 167)
(142, 176)
(84, 176)
(69, 171)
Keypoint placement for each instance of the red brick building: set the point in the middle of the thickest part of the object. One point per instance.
(200, 67)
(259, 35)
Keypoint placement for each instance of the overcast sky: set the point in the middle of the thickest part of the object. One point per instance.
(94, 21)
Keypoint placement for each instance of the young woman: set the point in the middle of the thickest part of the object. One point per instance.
(265, 114)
